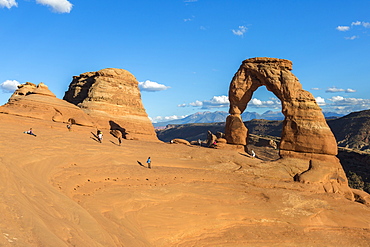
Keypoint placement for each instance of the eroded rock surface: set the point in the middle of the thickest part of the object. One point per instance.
(112, 98)
(37, 101)
(305, 134)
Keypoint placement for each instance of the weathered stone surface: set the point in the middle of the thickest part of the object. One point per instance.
(180, 141)
(111, 96)
(235, 130)
(305, 131)
(39, 102)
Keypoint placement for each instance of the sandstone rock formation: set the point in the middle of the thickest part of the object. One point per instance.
(180, 141)
(305, 133)
(39, 102)
(111, 96)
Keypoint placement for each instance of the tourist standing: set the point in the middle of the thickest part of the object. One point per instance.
(149, 163)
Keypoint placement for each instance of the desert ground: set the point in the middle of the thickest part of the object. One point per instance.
(63, 188)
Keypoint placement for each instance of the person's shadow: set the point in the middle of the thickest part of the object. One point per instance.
(140, 164)
(95, 138)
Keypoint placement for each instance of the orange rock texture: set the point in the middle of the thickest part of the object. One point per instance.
(39, 102)
(112, 98)
(305, 134)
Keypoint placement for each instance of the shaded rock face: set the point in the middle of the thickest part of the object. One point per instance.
(305, 132)
(37, 101)
(112, 98)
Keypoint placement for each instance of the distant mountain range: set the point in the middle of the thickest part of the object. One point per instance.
(220, 116)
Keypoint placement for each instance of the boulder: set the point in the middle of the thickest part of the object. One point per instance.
(180, 141)
(112, 97)
(305, 131)
(39, 102)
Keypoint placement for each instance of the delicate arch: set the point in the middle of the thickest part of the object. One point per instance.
(304, 128)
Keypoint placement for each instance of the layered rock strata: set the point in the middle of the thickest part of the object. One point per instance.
(305, 134)
(112, 98)
(37, 101)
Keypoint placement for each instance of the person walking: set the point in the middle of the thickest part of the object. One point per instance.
(149, 163)
(253, 154)
(100, 136)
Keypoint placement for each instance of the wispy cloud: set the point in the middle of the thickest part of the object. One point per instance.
(342, 28)
(223, 101)
(343, 105)
(59, 6)
(215, 102)
(352, 37)
(152, 86)
(9, 86)
(336, 90)
(315, 88)
(355, 27)
(8, 3)
(190, 1)
(240, 31)
(167, 118)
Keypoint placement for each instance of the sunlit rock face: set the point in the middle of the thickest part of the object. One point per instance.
(37, 101)
(305, 132)
(112, 98)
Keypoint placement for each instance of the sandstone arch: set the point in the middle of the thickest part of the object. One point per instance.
(305, 134)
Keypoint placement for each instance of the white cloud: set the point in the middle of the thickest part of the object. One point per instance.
(196, 103)
(349, 90)
(152, 86)
(334, 90)
(60, 6)
(167, 118)
(223, 101)
(8, 3)
(190, 1)
(344, 105)
(320, 101)
(342, 28)
(9, 86)
(240, 31)
(315, 88)
(352, 37)
(366, 24)
(356, 23)
(216, 102)
(272, 103)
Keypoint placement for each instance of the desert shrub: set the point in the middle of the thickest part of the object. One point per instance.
(355, 181)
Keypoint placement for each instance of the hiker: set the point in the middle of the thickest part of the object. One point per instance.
(30, 132)
(148, 162)
(214, 144)
(199, 142)
(69, 127)
(100, 135)
(253, 154)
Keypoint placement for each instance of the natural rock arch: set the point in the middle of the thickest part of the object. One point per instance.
(305, 134)
(304, 127)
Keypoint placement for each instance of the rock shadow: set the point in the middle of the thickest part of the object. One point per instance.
(115, 126)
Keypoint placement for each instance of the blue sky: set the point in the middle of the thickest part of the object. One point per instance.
(184, 53)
